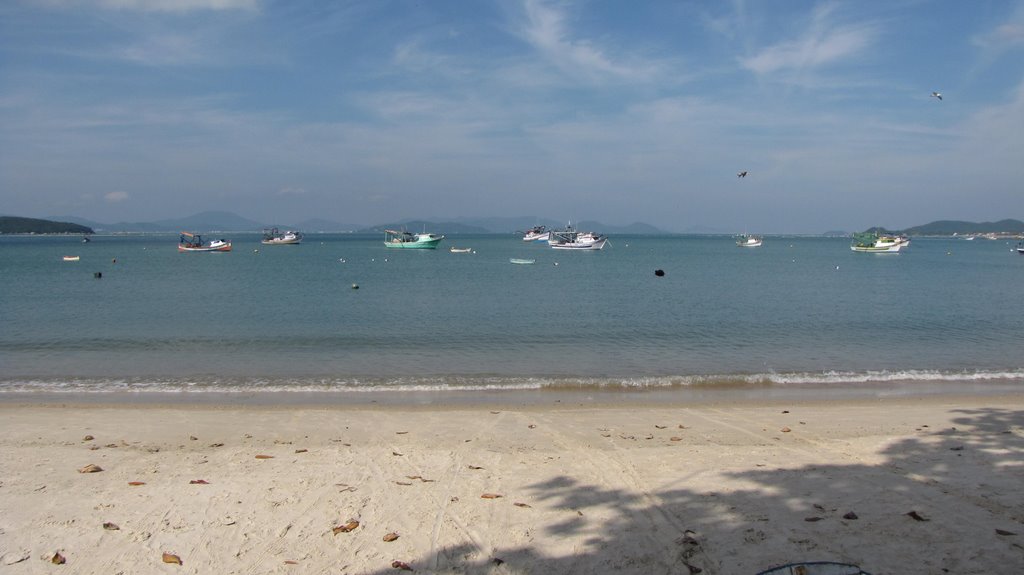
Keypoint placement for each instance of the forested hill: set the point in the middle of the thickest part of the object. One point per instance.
(15, 225)
(950, 227)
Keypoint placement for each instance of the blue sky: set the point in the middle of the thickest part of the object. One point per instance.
(375, 111)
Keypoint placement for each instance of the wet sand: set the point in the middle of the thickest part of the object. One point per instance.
(901, 484)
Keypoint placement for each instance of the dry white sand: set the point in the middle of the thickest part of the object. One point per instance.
(729, 489)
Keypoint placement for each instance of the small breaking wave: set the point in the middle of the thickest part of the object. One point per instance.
(471, 383)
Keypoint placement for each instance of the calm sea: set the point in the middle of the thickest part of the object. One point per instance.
(286, 318)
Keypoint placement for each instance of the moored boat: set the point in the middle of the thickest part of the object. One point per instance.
(746, 241)
(1020, 248)
(521, 261)
(456, 250)
(571, 239)
(536, 234)
(71, 258)
(878, 244)
(189, 242)
(273, 237)
(403, 239)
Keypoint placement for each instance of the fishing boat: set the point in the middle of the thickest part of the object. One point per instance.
(189, 242)
(71, 258)
(403, 239)
(878, 244)
(273, 237)
(536, 234)
(456, 250)
(521, 261)
(745, 241)
(1020, 248)
(571, 239)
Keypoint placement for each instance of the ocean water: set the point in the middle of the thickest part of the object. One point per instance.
(797, 311)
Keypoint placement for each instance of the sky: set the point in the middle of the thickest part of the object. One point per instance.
(380, 111)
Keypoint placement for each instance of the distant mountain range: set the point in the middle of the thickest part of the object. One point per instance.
(16, 225)
(230, 222)
(950, 227)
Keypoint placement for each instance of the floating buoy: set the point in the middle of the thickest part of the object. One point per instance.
(659, 273)
(97, 275)
(256, 251)
(355, 286)
(113, 261)
(556, 263)
(342, 260)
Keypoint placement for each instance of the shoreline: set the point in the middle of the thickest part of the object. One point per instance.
(727, 487)
(596, 397)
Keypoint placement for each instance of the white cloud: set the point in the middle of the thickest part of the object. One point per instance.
(115, 197)
(165, 5)
(822, 43)
(163, 50)
(546, 30)
(1003, 37)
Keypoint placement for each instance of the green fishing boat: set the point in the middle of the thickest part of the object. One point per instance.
(403, 239)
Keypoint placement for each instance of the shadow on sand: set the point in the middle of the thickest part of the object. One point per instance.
(941, 502)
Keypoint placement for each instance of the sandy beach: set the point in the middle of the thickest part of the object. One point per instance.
(897, 485)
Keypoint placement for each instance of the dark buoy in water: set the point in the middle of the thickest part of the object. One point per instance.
(355, 286)
(659, 273)
(97, 275)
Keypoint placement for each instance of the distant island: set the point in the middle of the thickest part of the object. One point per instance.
(954, 227)
(216, 221)
(228, 222)
(961, 228)
(16, 225)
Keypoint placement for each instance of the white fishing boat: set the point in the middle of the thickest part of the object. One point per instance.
(521, 261)
(746, 241)
(571, 239)
(536, 234)
(189, 242)
(456, 250)
(409, 240)
(1020, 248)
(71, 258)
(878, 244)
(273, 237)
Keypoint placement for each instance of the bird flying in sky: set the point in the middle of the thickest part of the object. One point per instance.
(936, 95)
(742, 174)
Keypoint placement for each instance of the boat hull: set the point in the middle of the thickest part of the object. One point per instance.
(223, 248)
(589, 246)
(878, 249)
(414, 245)
(281, 242)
